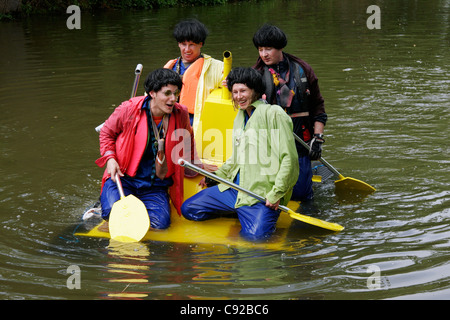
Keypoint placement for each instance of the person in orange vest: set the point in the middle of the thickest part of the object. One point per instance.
(200, 72)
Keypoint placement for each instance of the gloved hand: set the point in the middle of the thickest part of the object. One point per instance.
(316, 146)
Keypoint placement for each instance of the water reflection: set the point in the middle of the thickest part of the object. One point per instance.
(131, 261)
(174, 271)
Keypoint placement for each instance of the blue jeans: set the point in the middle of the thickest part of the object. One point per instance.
(257, 221)
(303, 188)
(155, 199)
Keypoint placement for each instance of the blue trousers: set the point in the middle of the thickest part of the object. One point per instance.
(303, 188)
(155, 199)
(257, 221)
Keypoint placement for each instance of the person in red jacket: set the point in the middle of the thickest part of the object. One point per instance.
(142, 141)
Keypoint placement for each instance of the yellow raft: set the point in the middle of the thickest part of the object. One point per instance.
(212, 136)
(220, 231)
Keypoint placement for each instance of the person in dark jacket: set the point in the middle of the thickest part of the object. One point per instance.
(292, 84)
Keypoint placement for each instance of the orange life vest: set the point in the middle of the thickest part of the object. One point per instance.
(190, 82)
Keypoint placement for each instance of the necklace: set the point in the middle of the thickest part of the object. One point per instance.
(157, 131)
(162, 124)
(186, 65)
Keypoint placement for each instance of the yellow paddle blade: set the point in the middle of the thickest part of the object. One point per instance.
(353, 184)
(128, 221)
(316, 222)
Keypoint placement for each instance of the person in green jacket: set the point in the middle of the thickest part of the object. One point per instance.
(264, 160)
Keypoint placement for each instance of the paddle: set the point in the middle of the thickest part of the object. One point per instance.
(128, 220)
(342, 182)
(292, 214)
(137, 76)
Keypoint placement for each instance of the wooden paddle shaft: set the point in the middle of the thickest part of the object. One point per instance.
(119, 186)
(329, 166)
(294, 215)
(137, 76)
(184, 163)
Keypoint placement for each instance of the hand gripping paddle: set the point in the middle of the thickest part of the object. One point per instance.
(342, 183)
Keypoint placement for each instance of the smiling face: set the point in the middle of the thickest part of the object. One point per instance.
(270, 55)
(189, 51)
(242, 95)
(164, 100)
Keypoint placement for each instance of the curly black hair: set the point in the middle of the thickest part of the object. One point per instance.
(160, 78)
(270, 36)
(190, 30)
(248, 76)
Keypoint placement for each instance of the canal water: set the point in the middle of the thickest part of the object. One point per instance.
(387, 94)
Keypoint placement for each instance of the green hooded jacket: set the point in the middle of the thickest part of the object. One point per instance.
(264, 154)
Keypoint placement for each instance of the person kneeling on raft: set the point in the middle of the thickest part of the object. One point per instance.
(264, 160)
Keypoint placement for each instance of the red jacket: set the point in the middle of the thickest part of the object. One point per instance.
(124, 137)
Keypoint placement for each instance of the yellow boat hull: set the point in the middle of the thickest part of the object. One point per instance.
(219, 231)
